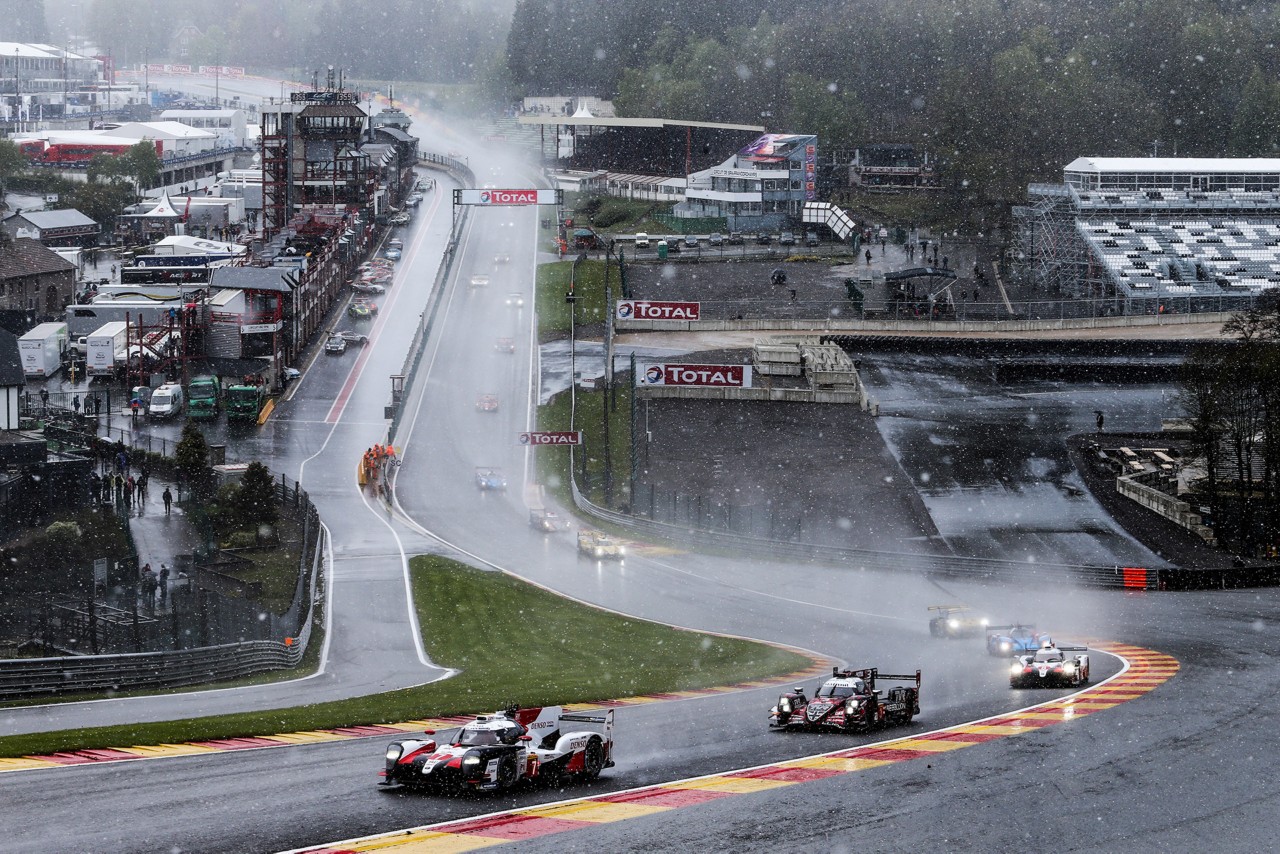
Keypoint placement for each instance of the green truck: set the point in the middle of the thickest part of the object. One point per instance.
(244, 402)
(204, 398)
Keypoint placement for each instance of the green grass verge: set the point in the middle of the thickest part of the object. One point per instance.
(553, 284)
(515, 644)
(552, 462)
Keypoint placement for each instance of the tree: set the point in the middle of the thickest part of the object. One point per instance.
(1257, 118)
(12, 162)
(191, 458)
(142, 164)
(256, 502)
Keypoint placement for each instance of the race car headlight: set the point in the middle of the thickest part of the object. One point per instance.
(599, 552)
(471, 760)
(394, 752)
(1068, 667)
(784, 705)
(853, 705)
(1004, 646)
(955, 624)
(1015, 669)
(622, 550)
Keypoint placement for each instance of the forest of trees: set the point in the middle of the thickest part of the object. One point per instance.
(1005, 92)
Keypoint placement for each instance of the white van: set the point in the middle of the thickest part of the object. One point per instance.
(166, 401)
(642, 241)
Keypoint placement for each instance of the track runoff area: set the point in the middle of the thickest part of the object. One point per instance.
(1142, 671)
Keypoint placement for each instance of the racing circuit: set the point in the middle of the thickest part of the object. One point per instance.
(1149, 761)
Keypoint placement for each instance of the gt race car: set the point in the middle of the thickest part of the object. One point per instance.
(1017, 639)
(955, 621)
(849, 702)
(1050, 667)
(495, 752)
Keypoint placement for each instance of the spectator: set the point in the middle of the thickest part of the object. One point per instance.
(167, 497)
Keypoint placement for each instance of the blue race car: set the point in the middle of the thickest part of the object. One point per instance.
(1014, 640)
(490, 479)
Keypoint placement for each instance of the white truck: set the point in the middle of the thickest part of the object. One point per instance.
(42, 349)
(106, 349)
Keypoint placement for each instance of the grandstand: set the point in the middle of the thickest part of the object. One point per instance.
(1140, 232)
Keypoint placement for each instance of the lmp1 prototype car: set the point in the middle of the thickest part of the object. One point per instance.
(1050, 667)
(487, 403)
(955, 621)
(599, 545)
(544, 520)
(849, 702)
(490, 479)
(495, 752)
(1017, 639)
(505, 345)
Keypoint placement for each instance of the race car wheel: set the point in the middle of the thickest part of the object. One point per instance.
(506, 773)
(593, 759)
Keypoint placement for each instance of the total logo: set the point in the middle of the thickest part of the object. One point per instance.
(509, 197)
(657, 310)
(723, 376)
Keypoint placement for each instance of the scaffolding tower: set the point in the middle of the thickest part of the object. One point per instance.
(1049, 252)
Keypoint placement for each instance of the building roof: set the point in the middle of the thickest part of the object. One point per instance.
(29, 257)
(65, 218)
(10, 360)
(1198, 165)
(198, 114)
(332, 110)
(279, 280)
(606, 122)
(395, 133)
(159, 130)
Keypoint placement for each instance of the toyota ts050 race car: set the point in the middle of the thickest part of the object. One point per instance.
(955, 621)
(1050, 667)
(495, 752)
(1017, 639)
(850, 702)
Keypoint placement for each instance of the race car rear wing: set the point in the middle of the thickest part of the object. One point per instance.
(949, 608)
(605, 719)
(871, 674)
(1071, 648)
(993, 629)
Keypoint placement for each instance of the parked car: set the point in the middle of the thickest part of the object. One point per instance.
(736, 238)
(787, 238)
(336, 345)
(764, 238)
(811, 238)
(716, 239)
(690, 241)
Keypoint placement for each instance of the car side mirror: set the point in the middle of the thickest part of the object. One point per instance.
(429, 731)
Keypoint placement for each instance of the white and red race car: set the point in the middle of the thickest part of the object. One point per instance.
(1050, 667)
(850, 702)
(495, 752)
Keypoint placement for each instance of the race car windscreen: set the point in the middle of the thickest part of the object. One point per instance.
(842, 690)
(1048, 655)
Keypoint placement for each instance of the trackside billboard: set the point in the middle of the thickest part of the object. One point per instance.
(638, 309)
(501, 198)
(713, 376)
(564, 437)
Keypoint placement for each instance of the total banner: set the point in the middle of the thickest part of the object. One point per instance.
(714, 376)
(494, 197)
(638, 309)
(562, 437)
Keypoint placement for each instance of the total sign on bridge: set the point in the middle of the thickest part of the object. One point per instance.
(716, 376)
(638, 309)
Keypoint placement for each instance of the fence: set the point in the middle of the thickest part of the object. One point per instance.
(423, 332)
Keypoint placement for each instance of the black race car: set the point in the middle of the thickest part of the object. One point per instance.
(849, 702)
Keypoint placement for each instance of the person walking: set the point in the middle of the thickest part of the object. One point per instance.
(97, 405)
(75, 403)
(167, 497)
(44, 398)
(868, 257)
(164, 582)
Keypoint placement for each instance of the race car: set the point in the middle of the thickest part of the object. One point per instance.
(955, 621)
(1016, 639)
(599, 545)
(1050, 667)
(479, 280)
(496, 752)
(849, 702)
(490, 479)
(487, 403)
(515, 300)
(505, 345)
(501, 258)
(352, 337)
(366, 303)
(546, 521)
(362, 287)
(336, 345)
(359, 311)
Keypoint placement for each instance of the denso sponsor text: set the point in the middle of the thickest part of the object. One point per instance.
(732, 376)
(635, 309)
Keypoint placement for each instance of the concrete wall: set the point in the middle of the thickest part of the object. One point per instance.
(1168, 506)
